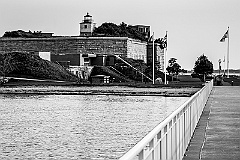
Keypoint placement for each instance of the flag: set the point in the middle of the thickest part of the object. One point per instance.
(224, 37)
(165, 37)
(150, 39)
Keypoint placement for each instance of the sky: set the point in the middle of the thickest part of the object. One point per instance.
(194, 27)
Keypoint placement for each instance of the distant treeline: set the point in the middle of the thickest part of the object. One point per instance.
(29, 34)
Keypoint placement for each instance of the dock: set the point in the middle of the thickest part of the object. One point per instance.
(217, 135)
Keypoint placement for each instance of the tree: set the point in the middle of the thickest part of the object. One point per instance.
(203, 66)
(173, 67)
(122, 30)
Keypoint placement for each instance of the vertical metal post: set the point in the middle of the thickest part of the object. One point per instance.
(228, 55)
(153, 57)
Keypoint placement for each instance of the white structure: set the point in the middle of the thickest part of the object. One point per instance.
(169, 140)
(45, 55)
(81, 71)
(136, 49)
(87, 26)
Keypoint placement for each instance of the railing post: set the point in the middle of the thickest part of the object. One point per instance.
(173, 137)
(141, 155)
(169, 140)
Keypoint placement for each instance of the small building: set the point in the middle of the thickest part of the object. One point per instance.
(100, 79)
(143, 29)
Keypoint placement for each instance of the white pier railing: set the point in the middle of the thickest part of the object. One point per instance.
(169, 140)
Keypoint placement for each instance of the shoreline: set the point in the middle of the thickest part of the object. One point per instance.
(100, 90)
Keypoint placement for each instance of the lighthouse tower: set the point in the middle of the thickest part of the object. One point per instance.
(87, 26)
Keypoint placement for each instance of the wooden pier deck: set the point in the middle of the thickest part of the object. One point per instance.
(217, 136)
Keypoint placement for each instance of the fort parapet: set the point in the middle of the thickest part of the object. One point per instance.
(122, 46)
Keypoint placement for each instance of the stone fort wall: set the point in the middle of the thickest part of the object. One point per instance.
(122, 46)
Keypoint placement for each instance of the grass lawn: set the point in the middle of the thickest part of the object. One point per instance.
(235, 80)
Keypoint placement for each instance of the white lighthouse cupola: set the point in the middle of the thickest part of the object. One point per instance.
(87, 26)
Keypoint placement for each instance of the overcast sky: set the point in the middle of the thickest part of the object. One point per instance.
(194, 26)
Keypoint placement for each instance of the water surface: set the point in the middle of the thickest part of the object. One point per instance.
(77, 126)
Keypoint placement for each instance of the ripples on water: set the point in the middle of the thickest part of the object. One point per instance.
(77, 126)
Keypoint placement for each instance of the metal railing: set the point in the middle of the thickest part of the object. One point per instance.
(169, 140)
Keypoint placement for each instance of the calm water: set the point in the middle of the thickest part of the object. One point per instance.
(77, 126)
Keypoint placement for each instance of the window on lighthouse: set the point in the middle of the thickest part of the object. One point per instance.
(85, 26)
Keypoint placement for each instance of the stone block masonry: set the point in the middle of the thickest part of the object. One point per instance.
(122, 46)
(136, 50)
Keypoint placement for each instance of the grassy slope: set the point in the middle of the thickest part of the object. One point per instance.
(32, 66)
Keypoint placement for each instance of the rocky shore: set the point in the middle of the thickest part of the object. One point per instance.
(100, 90)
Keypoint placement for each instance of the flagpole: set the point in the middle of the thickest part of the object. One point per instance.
(153, 57)
(224, 66)
(228, 55)
(165, 72)
(165, 64)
